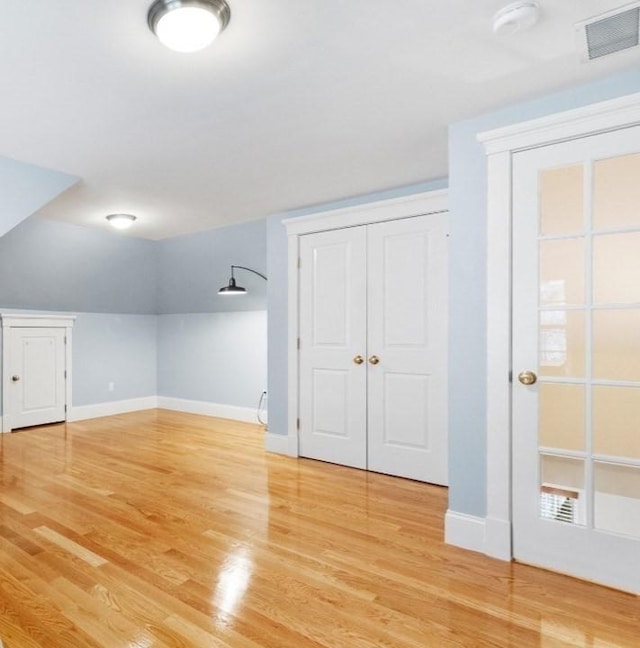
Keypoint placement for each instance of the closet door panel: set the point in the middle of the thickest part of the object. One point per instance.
(333, 386)
(407, 348)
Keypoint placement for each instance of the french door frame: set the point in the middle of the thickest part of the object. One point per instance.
(421, 204)
(500, 146)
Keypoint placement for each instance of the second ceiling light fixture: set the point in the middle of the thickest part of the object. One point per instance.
(188, 25)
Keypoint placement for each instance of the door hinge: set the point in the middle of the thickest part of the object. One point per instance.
(298, 423)
(65, 339)
(298, 344)
(65, 374)
(65, 409)
(299, 262)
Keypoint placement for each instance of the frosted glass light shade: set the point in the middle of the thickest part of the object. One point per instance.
(188, 25)
(121, 221)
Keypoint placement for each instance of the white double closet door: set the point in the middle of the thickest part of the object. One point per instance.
(373, 347)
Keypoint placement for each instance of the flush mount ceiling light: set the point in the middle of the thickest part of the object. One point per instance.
(121, 221)
(188, 25)
(232, 288)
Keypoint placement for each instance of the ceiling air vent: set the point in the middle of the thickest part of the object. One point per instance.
(611, 32)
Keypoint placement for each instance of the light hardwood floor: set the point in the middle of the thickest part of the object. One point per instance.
(160, 529)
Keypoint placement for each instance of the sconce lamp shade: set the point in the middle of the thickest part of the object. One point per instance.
(232, 288)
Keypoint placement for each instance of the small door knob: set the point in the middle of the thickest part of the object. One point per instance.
(15, 378)
(358, 359)
(374, 360)
(527, 377)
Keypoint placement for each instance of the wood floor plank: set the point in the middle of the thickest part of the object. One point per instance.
(72, 547)
(172, 530)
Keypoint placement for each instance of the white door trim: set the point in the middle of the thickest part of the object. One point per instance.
(500, 145)
(10, 321)
(563, 126)
(430, 202)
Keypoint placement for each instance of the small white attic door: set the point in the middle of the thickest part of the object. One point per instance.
(36, 369)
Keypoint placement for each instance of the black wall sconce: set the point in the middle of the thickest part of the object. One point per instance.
(232, 288)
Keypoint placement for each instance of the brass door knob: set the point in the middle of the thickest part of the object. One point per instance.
(358, 359)
(527, 377)
(15, 378)
(374, 360)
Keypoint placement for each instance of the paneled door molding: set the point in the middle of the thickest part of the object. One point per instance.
(432, 202)
(16, 321)
(500, 146)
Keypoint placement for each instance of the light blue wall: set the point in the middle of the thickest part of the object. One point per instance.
(192, 268)
(114, 348)
(25, 189)
(48, 265)
(468, 292)
(277, 292)
(213, 357)
(109, 348)
(51, 266)
(213, 348)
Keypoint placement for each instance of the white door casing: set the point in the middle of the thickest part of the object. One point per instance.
(494, 536)
(407, 332)
(432, 204)
(36, 369)
(332, 333)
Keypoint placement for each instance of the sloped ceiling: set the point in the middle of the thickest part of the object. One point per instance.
(296, 103)
(25, 189)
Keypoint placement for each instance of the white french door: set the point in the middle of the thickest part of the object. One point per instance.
(576, 333)
(373, 347)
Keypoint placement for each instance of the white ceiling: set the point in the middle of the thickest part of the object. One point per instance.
(297, 103)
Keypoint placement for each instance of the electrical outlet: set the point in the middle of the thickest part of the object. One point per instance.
(111, 386)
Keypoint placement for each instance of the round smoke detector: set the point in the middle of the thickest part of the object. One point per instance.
(516, 17)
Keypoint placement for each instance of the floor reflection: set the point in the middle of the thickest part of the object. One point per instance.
(233, 581)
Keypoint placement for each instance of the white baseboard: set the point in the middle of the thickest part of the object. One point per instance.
(245, 414)
(98, 410)
(466, 531)
(281, 444)
(84, 412)
(497, 538)
(489, 536)
(278, 443)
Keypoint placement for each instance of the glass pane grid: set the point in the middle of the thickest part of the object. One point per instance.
(617, 498)
(615, 268)
(561, 199)
(617, 460)
(616, 192)
(592, 478)
(564, 337)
